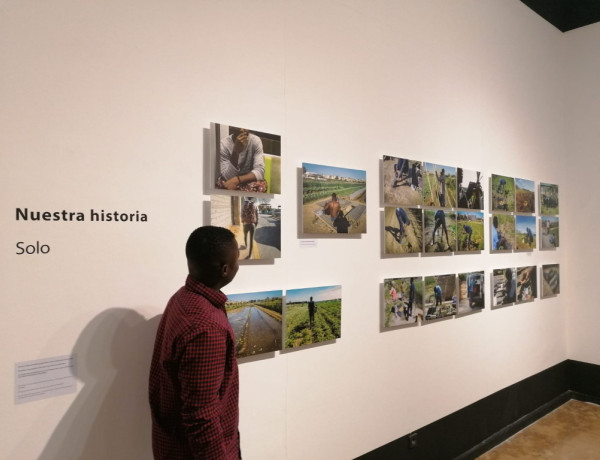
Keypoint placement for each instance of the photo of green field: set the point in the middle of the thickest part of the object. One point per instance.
(548, 199)
(525, 233)
(436, 180)
(470, 235)
(503, 193)
(312, 315)
(524, 196)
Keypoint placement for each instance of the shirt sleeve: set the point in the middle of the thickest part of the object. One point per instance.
(201, 374)
(226, 168)
(258, 159)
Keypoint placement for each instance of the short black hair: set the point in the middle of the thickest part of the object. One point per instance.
(207, 246)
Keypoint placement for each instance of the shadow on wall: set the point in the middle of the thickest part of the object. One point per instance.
(110, 417)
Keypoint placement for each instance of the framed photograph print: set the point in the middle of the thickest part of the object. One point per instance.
(503, 232)
(402, 301)
(548, 199)
(469, 231)
(403, 230)
(504, 285)
(503, 193)
(402, 182)
(469, 190)
(524, 196)
(550, 280)
(525, 233)
(439, 231)
(440, 297)
(471, 292)
(439, 186)
(526, 283)
(549, 234)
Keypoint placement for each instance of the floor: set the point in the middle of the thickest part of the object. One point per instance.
(571, 432)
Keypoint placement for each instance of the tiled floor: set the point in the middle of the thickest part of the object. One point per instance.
(571, 432)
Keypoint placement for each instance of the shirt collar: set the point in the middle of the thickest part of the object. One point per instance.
(217, 298)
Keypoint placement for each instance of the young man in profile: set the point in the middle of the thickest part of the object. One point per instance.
(194, 375)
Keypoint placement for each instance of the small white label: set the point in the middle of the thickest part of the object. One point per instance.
(308, 243)
(44, 378)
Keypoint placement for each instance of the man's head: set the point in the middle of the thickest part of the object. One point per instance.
(334, 196)
(212, 254)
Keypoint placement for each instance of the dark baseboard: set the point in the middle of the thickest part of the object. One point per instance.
(475, 429)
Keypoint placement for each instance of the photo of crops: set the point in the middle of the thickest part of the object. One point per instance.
(525, 233)
(439, 231)
(334, 200)
(504, 283)
(440, 297)
(402, 301)
(470, 235)
(402, 182)
(256, 320)
(439, 186)
(549, 232)
(524, 196)
(403, 230)
(503, 193)
(503, 232)
(526, 283)
(550, 280)
(548, 199)
(471, 292)
(312, 315)
(469, 189)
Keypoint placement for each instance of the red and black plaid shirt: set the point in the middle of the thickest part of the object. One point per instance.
(194, 379)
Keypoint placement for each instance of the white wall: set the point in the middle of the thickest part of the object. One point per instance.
(105, 105)
(581, 165)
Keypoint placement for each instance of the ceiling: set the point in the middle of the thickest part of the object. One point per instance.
(566, 15)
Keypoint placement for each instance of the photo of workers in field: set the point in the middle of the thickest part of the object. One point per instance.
(439, 231)
(245, 160)
(439, 186)
(471, 292)
(550, 280)
(548, 199)
(402, 301)
(312, 315)
(334, 200)
(470, 235)
(402, 181)
(503, 232)
(526, 283)
(469, 190)
(403, 230)
(503, 193)
(524, 196)
(255, 222)
(256, 320)
(504, 283)
(549, 232)
(440, 297)
(525, 233)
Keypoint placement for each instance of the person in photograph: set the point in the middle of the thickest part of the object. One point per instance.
(529, 236)
(312, 309)
(241, 162)
(332, 207)
(250, 220)
(341, 223)
(498, 240)
(469, 232)
(394, 296)
(400, 171)
(440, 222)
(442, 181)
(415, 174)
(193, 383)
(403, 220)
(412, 292)
(501, 187)
(511, 286)
(437, 290)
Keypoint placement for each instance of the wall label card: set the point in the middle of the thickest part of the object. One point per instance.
(44, 378)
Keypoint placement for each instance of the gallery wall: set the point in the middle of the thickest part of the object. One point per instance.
(106, 106)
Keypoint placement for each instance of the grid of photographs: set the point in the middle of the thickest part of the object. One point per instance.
(245, 177)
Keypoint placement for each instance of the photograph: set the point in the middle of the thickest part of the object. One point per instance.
(550, 280)
(469, 231)
(549, 232)
(470, 192)
(256, 320)
(548, 199)
(503, 193)
(402, 301)
(525, 233)
(526, 284)
(334, 200)
(439, 297)
(439, 232)
(504, 282)
(503, 232)
(255, 222)
(247, 160)
(402, 182)
(524, 196)
(403, 230)
(312, 315)
(471, 292)
(439, 186)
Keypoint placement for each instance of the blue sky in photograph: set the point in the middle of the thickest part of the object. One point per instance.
(525, 184)
(317, 293)
(253, 296)
(449, 170)
(333, 171)
(473, 214)
(522, 222)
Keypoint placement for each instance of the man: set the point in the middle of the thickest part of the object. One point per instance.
(250, 220)
(194, 375)
(438, 295)
(440, 221)
(241, 162)
(411, 299)
(312, 308)
(403, 220)
(469, 232)
(442, 180)
(332, 208)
